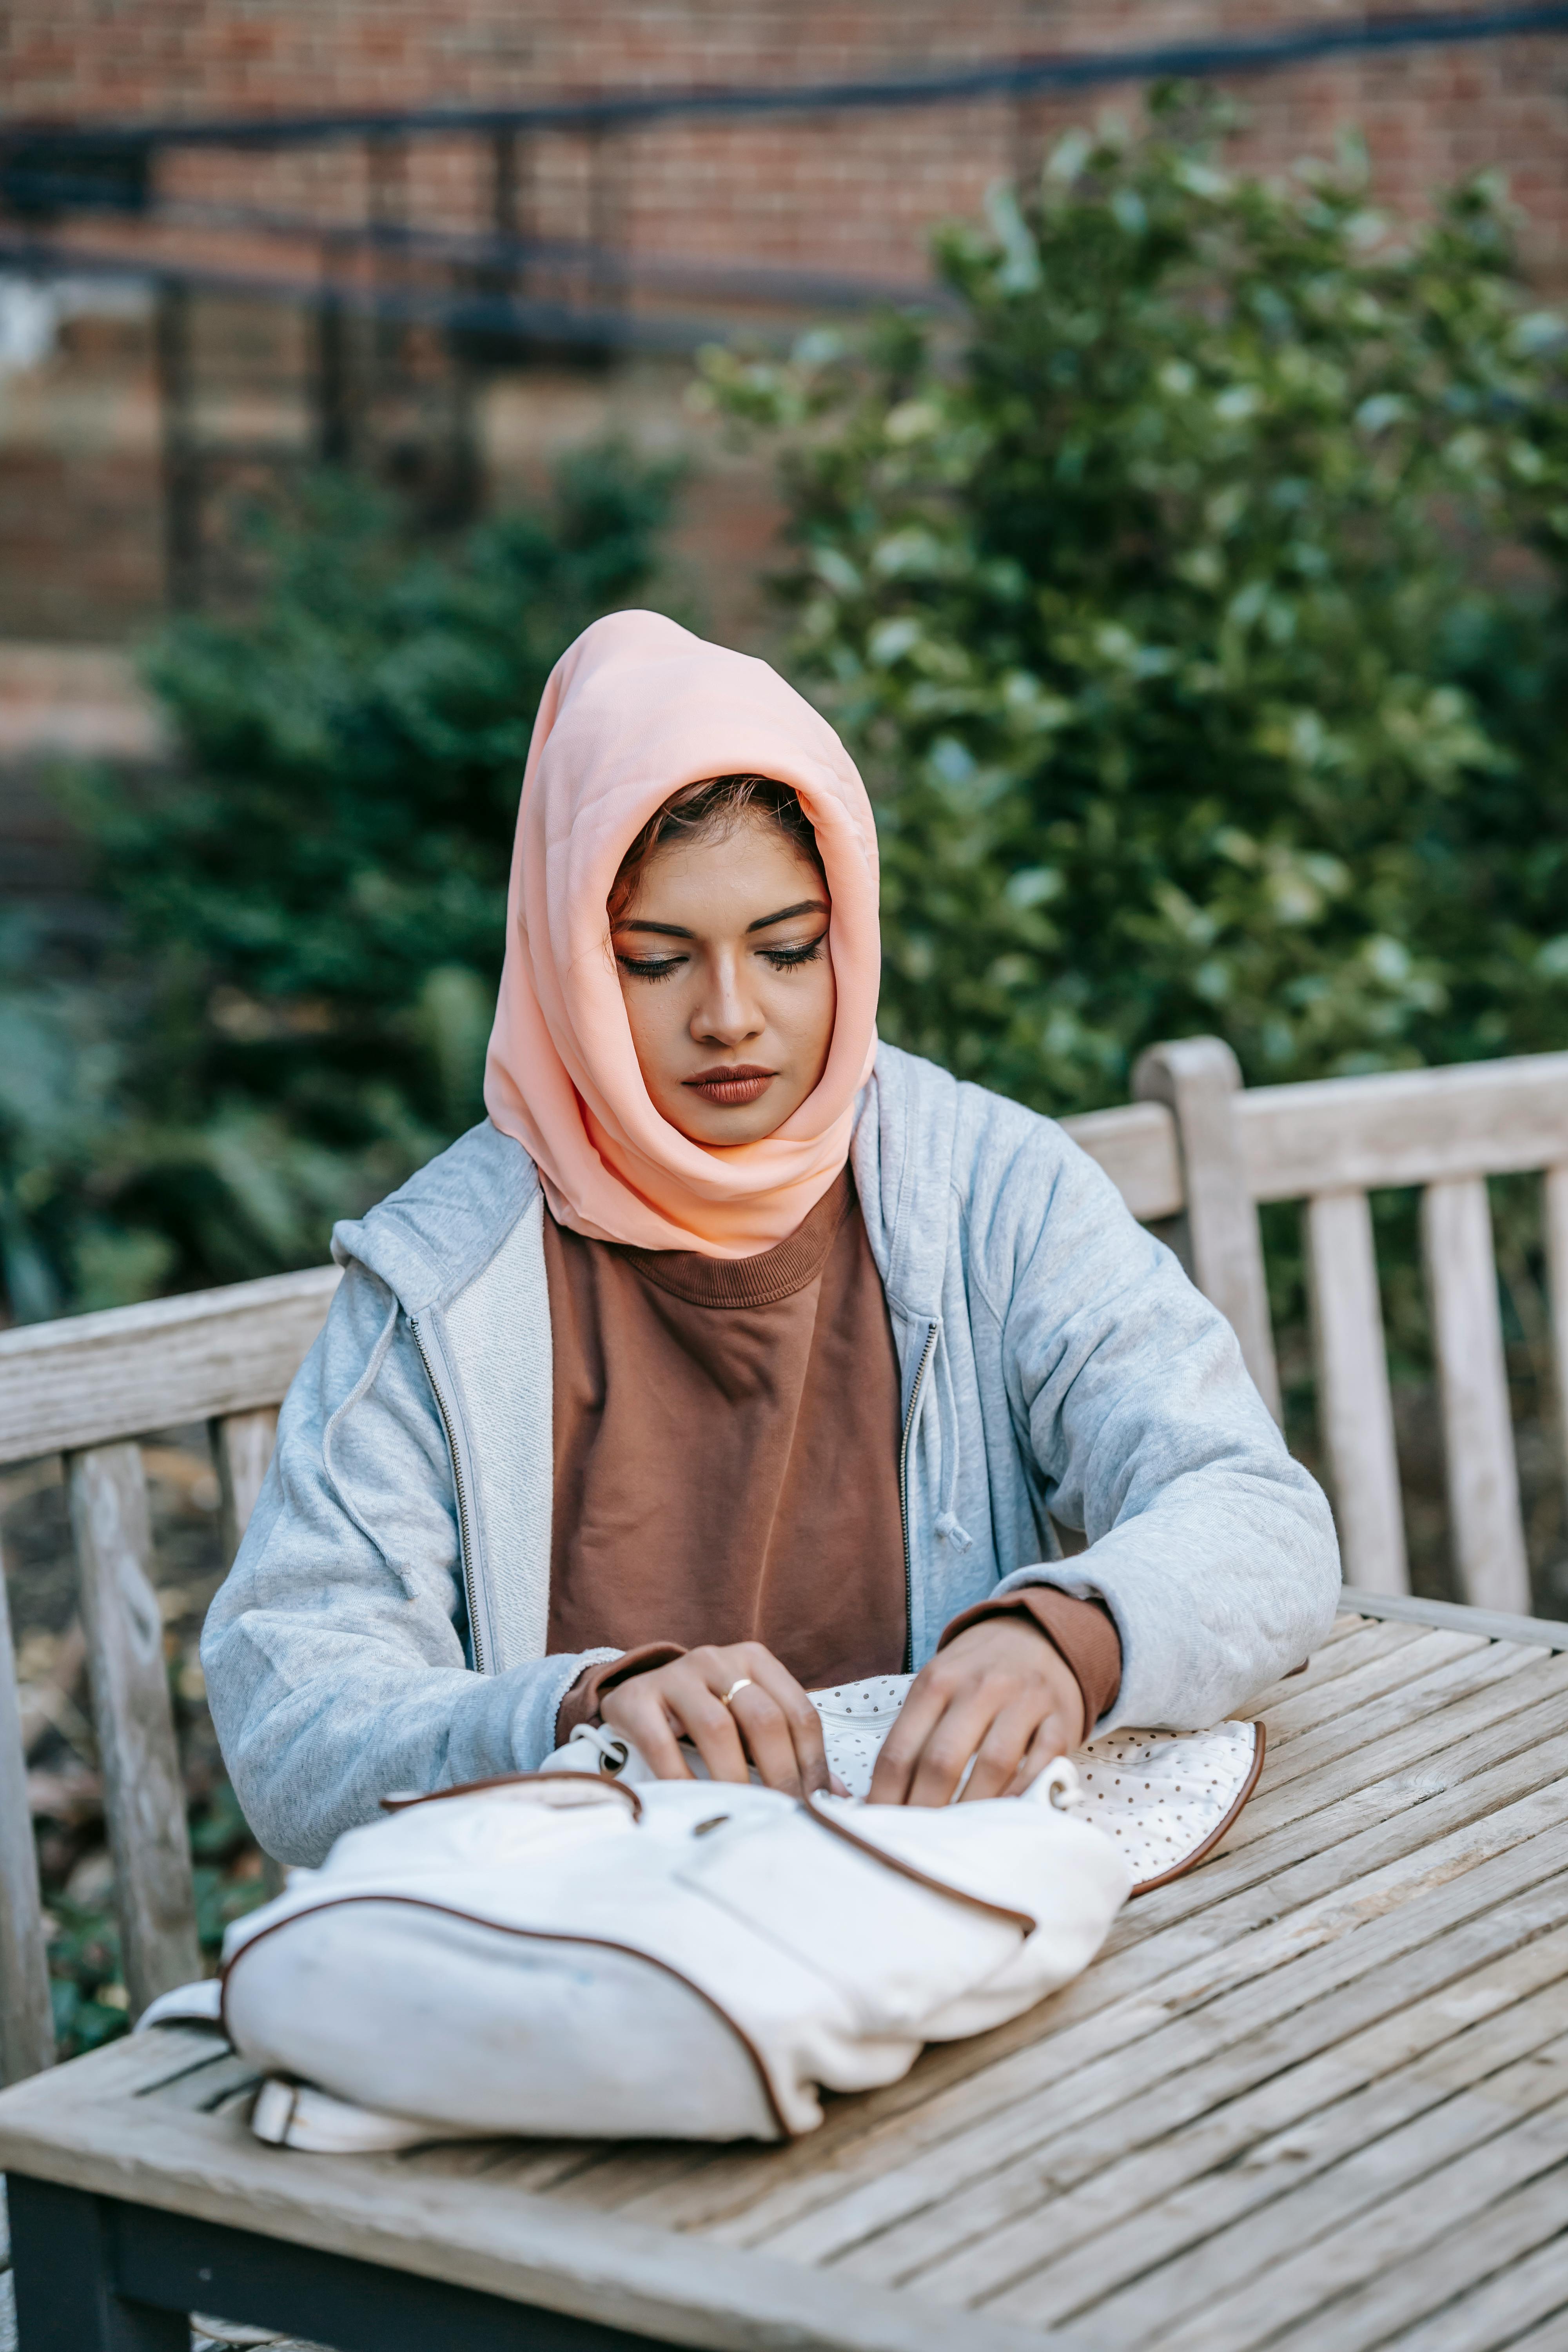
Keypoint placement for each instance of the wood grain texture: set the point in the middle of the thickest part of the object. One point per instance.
(1384, 1670)
(1404, 1126)
(1413, 2270)
(1200, 1080)
(92, 1378)
(1214, 2237)
(1466, 1692)
(143, 1797)
(242, 1445)
(1491, 2315)
(1286, 2075)
(87, 2133)
(1355, 1411)
(1128, 2218)
(1413, 2220)
(27, 2023)
(1485, 1527)
(1136, 1146)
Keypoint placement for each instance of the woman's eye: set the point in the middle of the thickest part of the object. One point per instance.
(784, 959)
(650, 967)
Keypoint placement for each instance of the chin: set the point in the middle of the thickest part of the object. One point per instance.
(752, 1124)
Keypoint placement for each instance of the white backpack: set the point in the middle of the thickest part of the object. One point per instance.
(588, 1951)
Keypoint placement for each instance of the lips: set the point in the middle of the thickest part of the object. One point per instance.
(731, 1088)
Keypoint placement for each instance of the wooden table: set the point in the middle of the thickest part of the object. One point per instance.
(1313, 2096)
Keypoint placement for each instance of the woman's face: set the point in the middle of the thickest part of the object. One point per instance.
(723, 963)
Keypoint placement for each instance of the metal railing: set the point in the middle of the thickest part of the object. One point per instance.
(85, 200)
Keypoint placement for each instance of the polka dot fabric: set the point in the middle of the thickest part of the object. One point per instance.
(1163, 1796)
(856, 1720)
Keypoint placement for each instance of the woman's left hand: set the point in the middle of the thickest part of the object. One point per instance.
(1000, 1692)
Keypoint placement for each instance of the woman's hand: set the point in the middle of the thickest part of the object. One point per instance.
(771, 1724)
(1000, 1692)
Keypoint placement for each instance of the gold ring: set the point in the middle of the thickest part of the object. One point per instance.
(745, 1683)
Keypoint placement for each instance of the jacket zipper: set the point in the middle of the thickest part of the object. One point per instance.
(904, 1496)
(465, 1531)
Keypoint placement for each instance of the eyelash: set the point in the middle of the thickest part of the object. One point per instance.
(781, 959)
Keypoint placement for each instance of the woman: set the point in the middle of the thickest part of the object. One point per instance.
(736, 1355)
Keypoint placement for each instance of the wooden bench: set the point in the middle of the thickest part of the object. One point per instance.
(88, 1387)
(1194, 1155)
(1329, 1145)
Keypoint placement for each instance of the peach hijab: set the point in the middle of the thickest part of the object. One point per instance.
(636, 709)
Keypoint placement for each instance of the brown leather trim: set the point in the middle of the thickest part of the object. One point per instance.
(907, 1869)
(509, 1781)
(1147, 1885)
(527, 1934)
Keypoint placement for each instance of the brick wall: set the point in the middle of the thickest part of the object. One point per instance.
(854, 193)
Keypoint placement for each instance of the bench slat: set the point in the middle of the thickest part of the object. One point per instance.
(1554, 1217)
(1478, 1429)
(1200, 1078)
(1404, 1126)
(1136, 1146)
(1355, 1410)
(144, 1799)
(89, 1379)
(242, 1447)
(27, 2024)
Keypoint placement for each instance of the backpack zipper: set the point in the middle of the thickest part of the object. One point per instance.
(904, 1498)
(464, 1534)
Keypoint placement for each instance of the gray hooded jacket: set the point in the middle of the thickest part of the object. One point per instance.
(1056, 1362)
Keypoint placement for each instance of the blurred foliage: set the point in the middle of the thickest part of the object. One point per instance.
(1198, 618)
(87, 1987)
(312, 908)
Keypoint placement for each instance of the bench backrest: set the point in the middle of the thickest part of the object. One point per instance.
(89, 1387)
(1329, 1144)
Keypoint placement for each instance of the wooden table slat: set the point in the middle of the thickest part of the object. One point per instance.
(1395, 2191)
(1117, 2215)
(1406, 1758)
(1367, 1638)
(1286, 1839)
(1329, 2150)
(1385, 1673)
(1444, 2261)
(1419, 1702)
(1491, 2315)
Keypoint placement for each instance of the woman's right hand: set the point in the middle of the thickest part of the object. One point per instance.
(770, 1722)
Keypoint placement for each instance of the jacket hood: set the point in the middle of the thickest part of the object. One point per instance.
(429, 1239)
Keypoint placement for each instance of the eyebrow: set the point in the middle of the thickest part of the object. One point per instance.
(763, 923)
(804, 906)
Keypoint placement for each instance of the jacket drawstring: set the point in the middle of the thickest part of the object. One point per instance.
(944, 1437)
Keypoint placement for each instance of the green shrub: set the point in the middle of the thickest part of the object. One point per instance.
(312, 908)
(1197, 617)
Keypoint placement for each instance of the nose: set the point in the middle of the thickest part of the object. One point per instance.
(727, 1012)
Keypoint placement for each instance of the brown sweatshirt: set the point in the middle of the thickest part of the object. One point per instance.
(726, 1463)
